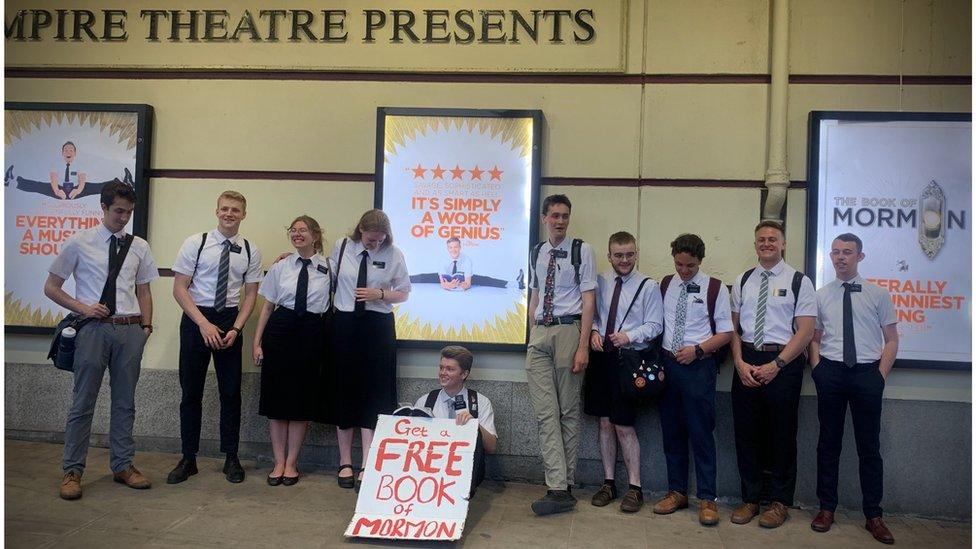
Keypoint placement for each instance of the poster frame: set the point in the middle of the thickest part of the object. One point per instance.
(144, 127)
(538, 120)
(816, 119)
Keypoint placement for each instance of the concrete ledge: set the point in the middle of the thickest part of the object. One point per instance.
(926, 444)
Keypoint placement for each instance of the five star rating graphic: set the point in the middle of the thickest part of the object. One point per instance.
(437, 172)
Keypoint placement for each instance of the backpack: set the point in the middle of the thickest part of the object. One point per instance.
(575, 258)
(722, 353)
(472, 401)
(797, 282)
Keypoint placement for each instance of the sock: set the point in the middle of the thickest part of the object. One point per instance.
(638, 488)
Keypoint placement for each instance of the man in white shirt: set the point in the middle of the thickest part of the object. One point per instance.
(216, 284)
(628, 315)
(768, 300)
(455, 400)
(853, 350)
(121, 310)
(697, 323)
(563, 279)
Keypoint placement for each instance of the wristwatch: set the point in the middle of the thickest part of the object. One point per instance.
(780, 363)
(699, 353)
(236, 329)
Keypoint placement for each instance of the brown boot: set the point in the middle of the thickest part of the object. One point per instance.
(132, 478)
(774, 516)
(707, 512)
(71, 486)
(671, 503)
(745, 513)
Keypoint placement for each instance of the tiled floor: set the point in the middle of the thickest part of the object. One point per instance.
(206, 511)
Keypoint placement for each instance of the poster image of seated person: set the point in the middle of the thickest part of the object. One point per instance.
(457, 273)
(454, 400)
(67, 184)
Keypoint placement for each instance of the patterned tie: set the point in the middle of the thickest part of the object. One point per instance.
(677, 341)
(759, 337)
(108, 296)
(547, 305)
(220, 297)
(612, 316)
(850, 351)
(360, 307)
(301, 291)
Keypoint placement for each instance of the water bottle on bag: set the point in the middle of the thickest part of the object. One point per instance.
(66, 348)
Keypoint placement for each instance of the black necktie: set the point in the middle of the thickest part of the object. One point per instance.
(454, 267)
(360, 308)
(108, 296)
(850, 352)
(67, 172)
(612, 316)
(223, 271)
(301, 292)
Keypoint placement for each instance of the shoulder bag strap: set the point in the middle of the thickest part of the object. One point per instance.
(634, 300)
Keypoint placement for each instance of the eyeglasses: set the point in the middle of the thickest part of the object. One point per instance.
(302, 231)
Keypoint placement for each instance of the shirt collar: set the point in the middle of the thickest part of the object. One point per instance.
(105, 234)
(449, 399)
(624, 279)
(219, 238)
(776, 269)
(564, 245)
(856, 280)
(700, 278)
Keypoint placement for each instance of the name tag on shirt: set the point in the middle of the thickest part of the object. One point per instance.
(379, 264)
(693, 288)
(561, 254)
(780, 292)
(235, 248)
(855, 287)
(74, 173)
(459, 402)
(322, 269)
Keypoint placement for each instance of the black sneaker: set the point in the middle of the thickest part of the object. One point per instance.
(183, 470)
(233, 470)
(555, 501)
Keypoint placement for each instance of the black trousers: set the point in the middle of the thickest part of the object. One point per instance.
(765, 420)
(194, 360)
(861, 388)
(476, 280)
(479, 468)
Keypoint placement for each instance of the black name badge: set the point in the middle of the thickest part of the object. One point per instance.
(322, 269)
(855, 287)
(693, 288)
(235, 248)
(459, 402)
(780, 292)
(379, 264)
(560, 254)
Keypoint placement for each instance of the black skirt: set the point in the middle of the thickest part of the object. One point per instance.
(360, 374)
(294, 351)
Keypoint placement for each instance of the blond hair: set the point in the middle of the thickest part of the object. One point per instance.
(232, 195)
(313, 226)
(373, 220)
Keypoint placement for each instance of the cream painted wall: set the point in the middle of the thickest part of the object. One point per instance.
(618, 130)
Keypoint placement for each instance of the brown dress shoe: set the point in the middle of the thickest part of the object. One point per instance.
(774, 516)
(745, 513)
(71, 486)
(878, 529)
(132, 478)
(822, 522)
(604, 496)
(671, 503)
(707, 512)
(633, 501)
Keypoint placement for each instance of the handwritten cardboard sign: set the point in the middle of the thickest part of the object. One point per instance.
(417, 480)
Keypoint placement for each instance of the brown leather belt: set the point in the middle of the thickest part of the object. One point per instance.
(122, 319)
(765, 347)
(670, 355)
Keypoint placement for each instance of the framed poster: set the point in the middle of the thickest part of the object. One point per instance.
(902, 182)
(461, 188)
(57, 158)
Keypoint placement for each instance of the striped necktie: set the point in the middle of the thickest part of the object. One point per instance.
(220, 297)
(759, 337)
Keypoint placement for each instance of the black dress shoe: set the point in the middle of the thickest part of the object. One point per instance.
(274, 481)
(233, 470)
(183, 470)
(346, 482)
(289, 481)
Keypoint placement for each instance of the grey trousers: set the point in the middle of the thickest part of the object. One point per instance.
(100, 345)
(554, 391)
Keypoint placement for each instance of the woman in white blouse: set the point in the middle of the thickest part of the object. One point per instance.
(289, 344)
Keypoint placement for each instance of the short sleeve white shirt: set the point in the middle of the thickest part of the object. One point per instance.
(203, 288)
(872, 309)
(280, 284)
(386, 269)
(778, 320)
(445, 403)
(567, 295)
(697, 325)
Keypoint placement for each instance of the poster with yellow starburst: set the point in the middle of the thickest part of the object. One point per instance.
(57, 159)
(460, 188)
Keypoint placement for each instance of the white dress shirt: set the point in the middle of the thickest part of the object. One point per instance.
(872, 309)
(445, 404)
(697, 326)
(645, 320)
(778, 321)
(463, 266)
(280, 284)
(386, 269)
(567, 295)
(203, 288)
(85, 255)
